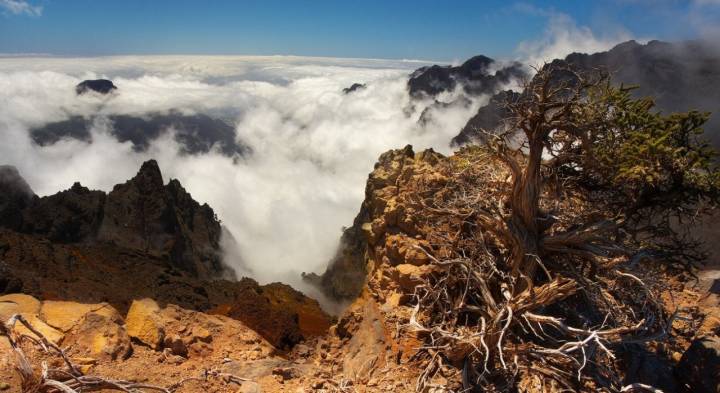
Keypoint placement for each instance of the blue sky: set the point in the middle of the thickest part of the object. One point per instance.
(418, 29)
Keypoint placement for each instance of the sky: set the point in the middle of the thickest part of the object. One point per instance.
(398, 29)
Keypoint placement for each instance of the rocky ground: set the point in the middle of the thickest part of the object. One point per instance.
(122, 314)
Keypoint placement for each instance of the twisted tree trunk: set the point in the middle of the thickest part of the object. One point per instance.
(524, 204)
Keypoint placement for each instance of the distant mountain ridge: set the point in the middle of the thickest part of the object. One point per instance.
(195, 133)
(680, 76)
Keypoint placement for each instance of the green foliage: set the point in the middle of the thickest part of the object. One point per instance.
(649, 157)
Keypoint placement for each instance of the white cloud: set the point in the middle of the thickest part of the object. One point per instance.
(563, 36)
(21, 7)
(313, 145)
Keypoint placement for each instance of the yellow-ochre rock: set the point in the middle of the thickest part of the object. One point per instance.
(144, 323)
(100, 334)
(28, 307)
(64, 315)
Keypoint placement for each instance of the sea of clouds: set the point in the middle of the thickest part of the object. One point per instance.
(312, 146)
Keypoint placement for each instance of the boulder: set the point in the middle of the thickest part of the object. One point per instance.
(29, 308)
(53, 335)
(409, 276)
(176, 345)
(368, 340)
(18, 303)
(100, 335)
(144, 324)
(64, 315)
(699, 367)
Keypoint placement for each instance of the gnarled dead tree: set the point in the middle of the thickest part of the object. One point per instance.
(537, 244)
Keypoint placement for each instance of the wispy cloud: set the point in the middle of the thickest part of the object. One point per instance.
(563, 36)
(18, 7)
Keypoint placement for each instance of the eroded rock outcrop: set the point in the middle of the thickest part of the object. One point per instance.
(145, 215)
(386, 229)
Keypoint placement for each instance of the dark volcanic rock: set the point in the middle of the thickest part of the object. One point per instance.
(141, 215)
(9, 283)
(475, 76)
(15, 196)
(76, 127)
(145, 215)
(102, 86)
(136, 213)
(195, 134)
(69, 216)
(699, 368)
(488, 118)
(354, 87)
(643, 366)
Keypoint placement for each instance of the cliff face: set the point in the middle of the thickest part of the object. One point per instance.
(386, 230)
